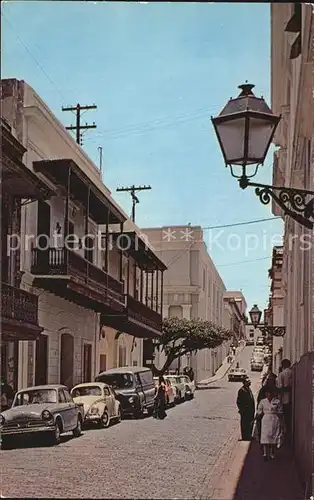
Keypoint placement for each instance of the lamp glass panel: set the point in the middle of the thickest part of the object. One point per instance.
(231, 135)
(260, 131)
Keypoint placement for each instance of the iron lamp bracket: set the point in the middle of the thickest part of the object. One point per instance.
(273, 331)
(297, 203)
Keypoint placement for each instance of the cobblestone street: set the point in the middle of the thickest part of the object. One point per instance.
(174, 458)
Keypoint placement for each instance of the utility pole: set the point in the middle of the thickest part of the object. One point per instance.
(132, 190)
(78, 127)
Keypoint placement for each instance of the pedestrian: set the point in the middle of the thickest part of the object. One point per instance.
(246, 407)
(269, 376)
(191, 374)
(284, 385)
(160, 399)
(7, 394)
(262, 395)
(269, 411)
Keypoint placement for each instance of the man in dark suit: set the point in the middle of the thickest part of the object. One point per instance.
(246, 407)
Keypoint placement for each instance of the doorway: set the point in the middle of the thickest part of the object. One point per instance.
(66, 360)
(41, 363)
(87, 363)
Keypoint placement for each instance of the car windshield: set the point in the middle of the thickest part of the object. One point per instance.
(172, 380)
(86, 390)
(118, 380)
(36, 396)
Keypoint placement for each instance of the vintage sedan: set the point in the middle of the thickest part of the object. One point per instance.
(189, 386)
(100, 404)
(237, 375)
(47, 409)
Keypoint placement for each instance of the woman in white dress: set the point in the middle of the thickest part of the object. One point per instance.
(270, 411)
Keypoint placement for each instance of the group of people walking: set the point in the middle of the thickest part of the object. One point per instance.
(272, 417)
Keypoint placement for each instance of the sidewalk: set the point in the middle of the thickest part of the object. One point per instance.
(246, 476)
(221, 372)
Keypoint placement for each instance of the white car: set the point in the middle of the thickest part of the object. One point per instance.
(257, 364)
(189, 386)
(258, 350)
(180, 387)
(100, 403)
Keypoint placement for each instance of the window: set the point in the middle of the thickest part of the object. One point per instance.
(87, 390)
(41, 396)
(68, 397)
(117, 380)
(61, 398)
(106, 391)
(146, 378)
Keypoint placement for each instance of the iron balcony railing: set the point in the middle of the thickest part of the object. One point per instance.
(18, 304)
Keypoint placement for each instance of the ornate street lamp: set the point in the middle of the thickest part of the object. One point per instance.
(268, 330)
(255, 315)
(245, 129)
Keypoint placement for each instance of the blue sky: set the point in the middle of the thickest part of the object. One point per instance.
(157, 72)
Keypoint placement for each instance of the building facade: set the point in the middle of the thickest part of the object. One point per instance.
(292, 89)
(275, 311)
(89, 310)
(235, 306)
(19, 307)
(192, 288)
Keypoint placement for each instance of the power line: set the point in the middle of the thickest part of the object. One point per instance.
(78, 127)
(34, 58)
(242, 262)
(139, 130)
(132, 190)
(242, 223)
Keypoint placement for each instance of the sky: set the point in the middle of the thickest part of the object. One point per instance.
(157, 73)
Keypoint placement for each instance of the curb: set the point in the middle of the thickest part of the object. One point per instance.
(216, 379)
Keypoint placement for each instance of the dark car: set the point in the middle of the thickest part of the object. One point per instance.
(134, 387)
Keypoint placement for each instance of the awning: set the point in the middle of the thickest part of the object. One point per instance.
(17, 330)
(59, 171)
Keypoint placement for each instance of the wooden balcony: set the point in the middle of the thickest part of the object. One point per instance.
(65, 273)
(139, 312)
(19, 314)
(138, 320)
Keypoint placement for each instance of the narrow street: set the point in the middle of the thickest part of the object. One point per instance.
(146, 458)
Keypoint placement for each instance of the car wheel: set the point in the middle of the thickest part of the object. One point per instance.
(55, 436)
(78, 429)
(105, 420)
(139, 413)
(119, 415)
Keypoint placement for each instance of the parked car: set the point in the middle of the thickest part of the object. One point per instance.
(170, 391)
(257, 364)
(47, 409)
(189, 386)
(180, 385)
(260, 341)
(250, 341)
(259, 350)
(133, 386)
(100, 403)
(237, 375)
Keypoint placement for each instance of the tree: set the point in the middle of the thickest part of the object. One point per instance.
(182, 336)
